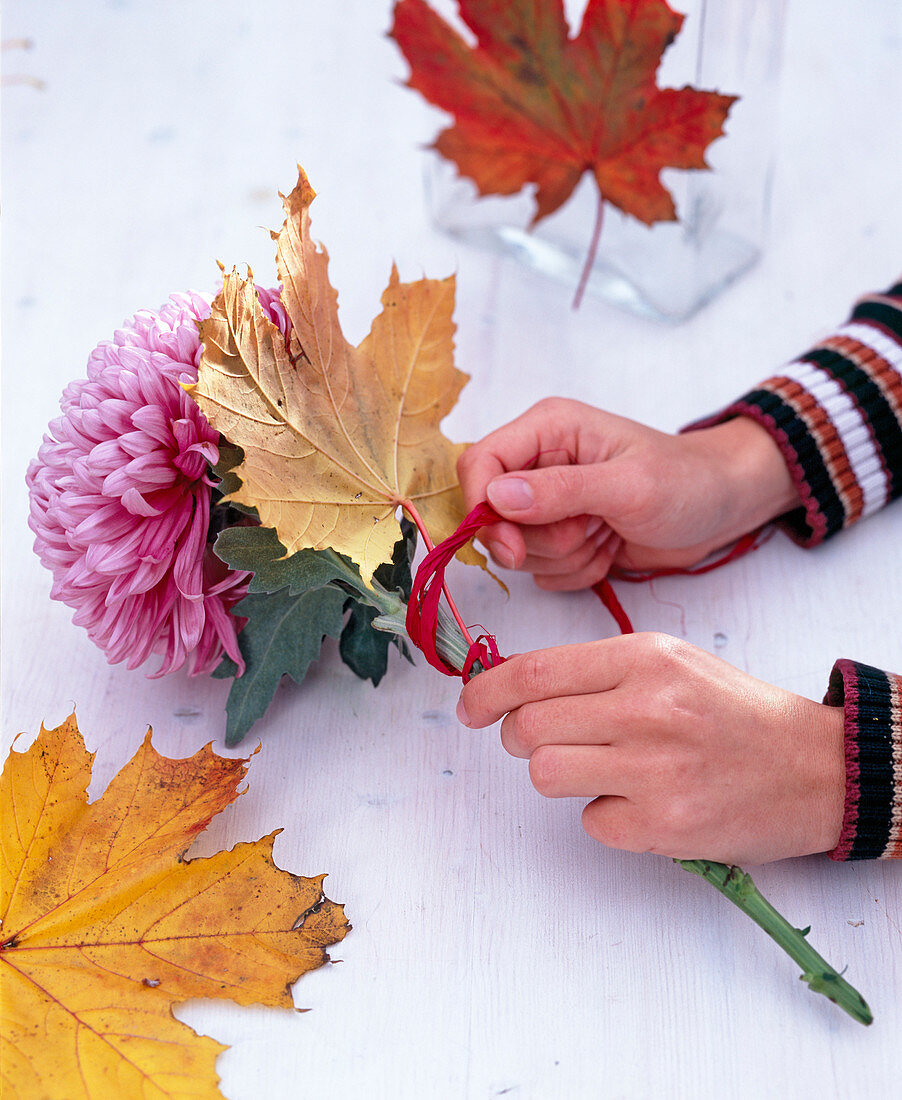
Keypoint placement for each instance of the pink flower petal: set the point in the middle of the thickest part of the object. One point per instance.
(119, 497)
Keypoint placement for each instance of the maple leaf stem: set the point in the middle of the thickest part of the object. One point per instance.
(593, 252)
(410, 508)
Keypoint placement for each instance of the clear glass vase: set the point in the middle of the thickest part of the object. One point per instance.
(671, 269)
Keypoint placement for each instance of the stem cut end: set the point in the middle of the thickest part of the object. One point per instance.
(737, 885)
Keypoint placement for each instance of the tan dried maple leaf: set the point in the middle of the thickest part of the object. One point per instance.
(106, 925)
(336, 438)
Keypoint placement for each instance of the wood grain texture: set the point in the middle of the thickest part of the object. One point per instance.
(496, 950)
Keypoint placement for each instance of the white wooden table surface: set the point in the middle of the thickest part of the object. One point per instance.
(496, 949)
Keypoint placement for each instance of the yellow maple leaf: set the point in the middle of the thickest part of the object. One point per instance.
(335, 438)
(106, 925)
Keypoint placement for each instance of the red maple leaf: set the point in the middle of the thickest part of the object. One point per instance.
(533, 105)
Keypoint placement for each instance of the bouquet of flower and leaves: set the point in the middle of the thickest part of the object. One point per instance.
(234, 482)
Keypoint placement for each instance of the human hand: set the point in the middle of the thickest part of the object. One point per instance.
(683, 754)
(607, 490)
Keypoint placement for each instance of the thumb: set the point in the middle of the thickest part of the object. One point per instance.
(552, 493)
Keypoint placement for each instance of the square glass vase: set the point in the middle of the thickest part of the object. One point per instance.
(671, 269)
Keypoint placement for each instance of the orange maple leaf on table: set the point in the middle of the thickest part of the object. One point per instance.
(533, 105)
(106, 925)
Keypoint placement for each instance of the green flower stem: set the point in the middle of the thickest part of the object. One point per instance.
(737, 885)
(452, 646)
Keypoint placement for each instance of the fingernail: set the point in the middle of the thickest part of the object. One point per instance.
(462, 715)
(592, 526)
(511, 494)
(502, 554)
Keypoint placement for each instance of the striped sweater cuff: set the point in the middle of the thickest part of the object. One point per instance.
(836, 415)
(872, 700)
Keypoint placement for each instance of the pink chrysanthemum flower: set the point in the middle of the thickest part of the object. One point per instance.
(120, 498)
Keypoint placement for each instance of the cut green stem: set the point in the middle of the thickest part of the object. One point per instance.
(737, 885)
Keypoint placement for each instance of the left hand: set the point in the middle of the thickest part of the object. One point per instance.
(601, 489)
(682, 753)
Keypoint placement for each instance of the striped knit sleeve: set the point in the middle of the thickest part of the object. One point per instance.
(872, 819)
(836, 415)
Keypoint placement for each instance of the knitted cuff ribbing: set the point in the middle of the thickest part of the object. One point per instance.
(872, 701)
(836, 415)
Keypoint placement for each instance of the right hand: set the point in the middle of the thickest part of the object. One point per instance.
(603, 490)
(682, 754)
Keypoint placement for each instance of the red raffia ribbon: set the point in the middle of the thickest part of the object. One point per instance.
(604, 590)
(609, 598)
(426, 593)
